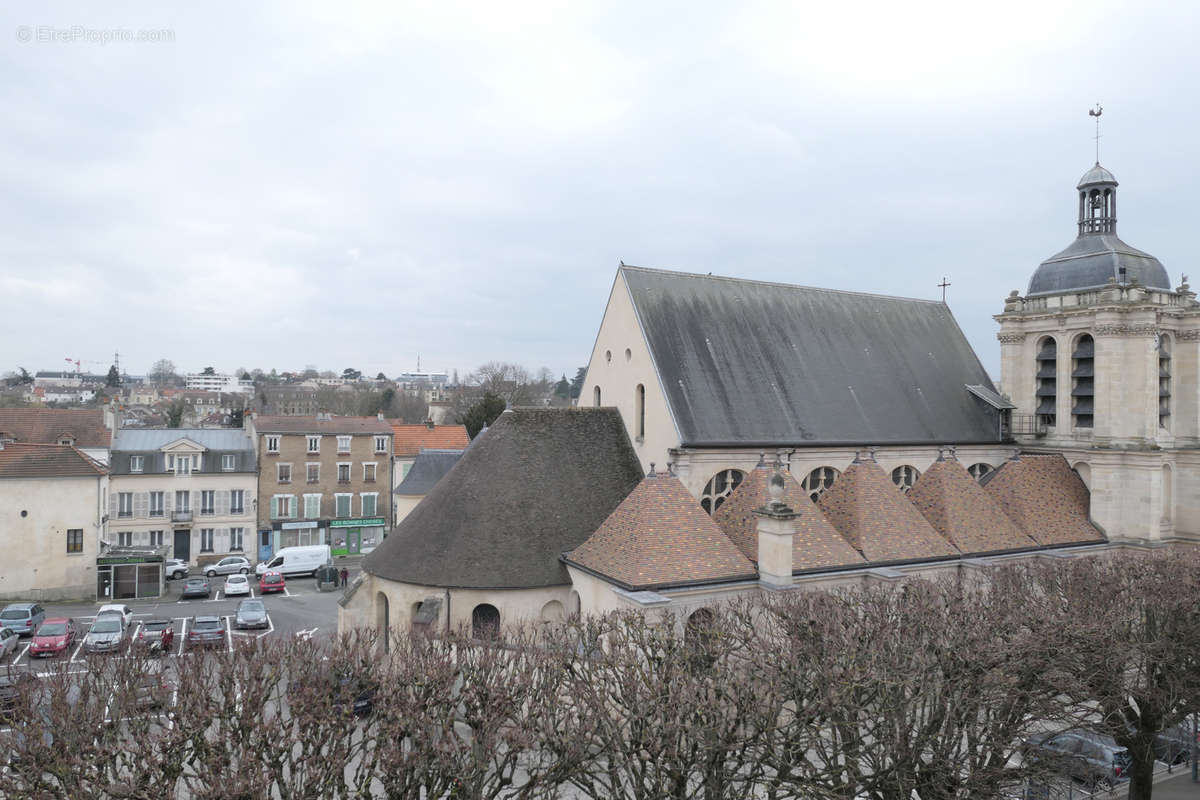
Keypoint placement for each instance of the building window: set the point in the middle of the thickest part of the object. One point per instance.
(719, 487)
(369, 501)
(206, 540)
(156, 538)
(818, 481)
(228, 463)
(235, 539)
(344, 472)
(181, 464)
(272, 444)
(343, 444)
(283, 506)
(124, 538)
(905, 477)
(1083, 391)
(75, 540)
(312, 506)
(639, 402)
(596, 397)
(1164, 381)
(156, 504)
(237, 501)
(381, 444)
(314, 472)
(124, 504)
(1046, 395)
(979, 470)
(206, 501)
(369, 471)
(314, 444)
(283, 472)
(183, 500)
(341, 505)
(137, 463)
(485, 621)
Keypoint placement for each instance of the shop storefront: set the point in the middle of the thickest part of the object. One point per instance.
(352, 536)
(129, 573)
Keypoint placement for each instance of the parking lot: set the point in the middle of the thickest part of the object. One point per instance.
(299, 610)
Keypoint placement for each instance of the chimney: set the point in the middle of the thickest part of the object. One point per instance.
(776, 528)
(379, 416)
(429, 423)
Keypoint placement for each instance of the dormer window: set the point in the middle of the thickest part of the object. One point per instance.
(182, 464)
(66, 440)
(136, 463)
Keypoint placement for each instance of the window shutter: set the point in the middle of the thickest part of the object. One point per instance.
(292, 506)
(112, 503)
(222, 502)
(141, 504)
(274, 508)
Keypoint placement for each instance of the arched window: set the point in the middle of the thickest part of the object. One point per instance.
(905, 477)
(639, 403)
(1083, 387)
(817, 481)
(979, 470)
(1168, 494)
(719, 487)
(575, 604)
(1046, 394)
(552, 612)
(485, 621)
(382, 623)
(596, 396)
(1164, 381)
(699, 634)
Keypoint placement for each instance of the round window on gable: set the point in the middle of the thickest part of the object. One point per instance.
(979, 470)
(905, 477)
(819, 480)
(719, 487)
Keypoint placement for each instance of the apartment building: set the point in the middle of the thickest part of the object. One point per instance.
(192, 490)
(323, 480)
(219, 383)
(291, 400)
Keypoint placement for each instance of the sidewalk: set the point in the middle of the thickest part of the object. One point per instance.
(1178, 786)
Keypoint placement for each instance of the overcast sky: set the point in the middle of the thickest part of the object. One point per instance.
(354, 185)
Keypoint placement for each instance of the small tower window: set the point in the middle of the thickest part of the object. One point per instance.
(1046, 394)
(719, 487)
(596, 396)
(817, 481)
(905, 477)
(640, 410)
(1164, 381)
(979, 470)
(1083, 375)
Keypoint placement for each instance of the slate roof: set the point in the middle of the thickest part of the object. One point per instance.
(963, 511)
(816, 544)
(23, 460)
(143, 439)
(428, 468)
(538, 483)
(335, 425)
(410, 440)
(877, 519)
(748, 363)
(1093, 258)
(659, 536)
(1045, 498)
(45, 425)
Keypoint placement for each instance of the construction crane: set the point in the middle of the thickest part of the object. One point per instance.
(79, 362)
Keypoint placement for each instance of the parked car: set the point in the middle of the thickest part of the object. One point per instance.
(228, 566)
(196, 587)
(271, 582)
(251, 614)
(175, 568)
(292, 560)
(151, 687)
(1087, 756)
(1174, 745)
(206, 632)
(236, 585)
(107, 635)
(57, 635)
(12, 685)
(116, 609)
(8, 642)
(22, 618)
(156, 636)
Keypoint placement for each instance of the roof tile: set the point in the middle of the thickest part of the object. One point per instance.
(410, 440)
(46, 425)
(23, 460)
(1045, 498)
(963, 511)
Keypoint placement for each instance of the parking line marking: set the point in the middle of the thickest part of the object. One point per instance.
(251, 592)
(22, 653)
(228, 634)
(75, 655)
(286, 593)
(183, 636)
(218, 597)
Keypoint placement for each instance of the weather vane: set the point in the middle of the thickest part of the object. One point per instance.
(1096, 112)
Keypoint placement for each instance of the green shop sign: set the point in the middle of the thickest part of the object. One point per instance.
(128, 560)
(356, 523)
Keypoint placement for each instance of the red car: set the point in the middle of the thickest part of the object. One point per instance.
(55, 636)
(156, 636)
(270, 582)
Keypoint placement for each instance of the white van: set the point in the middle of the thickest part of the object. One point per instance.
(291, 560)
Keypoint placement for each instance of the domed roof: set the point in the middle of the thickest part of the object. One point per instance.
(1096, 174)
(1091, 260)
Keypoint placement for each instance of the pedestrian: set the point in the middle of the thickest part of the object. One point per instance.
(345, 574)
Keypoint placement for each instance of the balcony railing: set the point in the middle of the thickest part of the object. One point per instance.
(1028, 425)
(181, 516)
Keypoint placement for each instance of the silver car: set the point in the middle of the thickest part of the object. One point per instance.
(8, 642)
(228, 566)
(106, 636)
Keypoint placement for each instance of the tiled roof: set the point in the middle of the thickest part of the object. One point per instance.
(410, 440)
(815, 543)
(46, 425)
(1045, 498)
(335, 425)
(963, 511)
(878, 520)
(538, 483)
(18, 460)
(660, 536)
